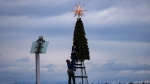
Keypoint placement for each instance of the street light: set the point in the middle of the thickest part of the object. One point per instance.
(38, 47)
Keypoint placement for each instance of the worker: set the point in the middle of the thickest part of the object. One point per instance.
(74, 52)
(70, 71)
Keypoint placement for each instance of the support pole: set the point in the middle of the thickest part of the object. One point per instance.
(85, 74)
(37, 57)
(82, 73)
(39, 46)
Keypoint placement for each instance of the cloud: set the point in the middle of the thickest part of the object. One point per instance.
(124, 52)
(121, 12)
(12, 73)
(116, 30)
(4, 53)
(49, 67)
(13, 3)
(49, 73)
(130, 33)
(48, 22)
(1, 54)
(25, 59)
(118, 16)
(32, 8)
(56, 71)
(112, 66)
(116, 72)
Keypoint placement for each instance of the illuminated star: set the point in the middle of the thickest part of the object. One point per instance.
(79, 11)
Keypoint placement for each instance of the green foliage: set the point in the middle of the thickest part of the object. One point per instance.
(81, 41)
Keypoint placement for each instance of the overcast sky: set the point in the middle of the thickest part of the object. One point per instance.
(118, 33)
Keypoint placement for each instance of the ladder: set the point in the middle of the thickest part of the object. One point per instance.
(80, 73)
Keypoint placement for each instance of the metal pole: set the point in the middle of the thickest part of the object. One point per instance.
(85, 74)
(37, 57)
(82, 72)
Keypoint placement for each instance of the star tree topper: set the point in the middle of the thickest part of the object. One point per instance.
(79, 10)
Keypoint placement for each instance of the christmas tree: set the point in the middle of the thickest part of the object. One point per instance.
(80, 41)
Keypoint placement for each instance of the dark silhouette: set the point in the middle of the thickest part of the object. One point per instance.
(70, 71)
(80, 41)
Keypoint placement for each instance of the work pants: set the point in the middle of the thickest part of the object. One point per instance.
(71, 75)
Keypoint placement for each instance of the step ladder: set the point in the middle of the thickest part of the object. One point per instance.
(80, 73)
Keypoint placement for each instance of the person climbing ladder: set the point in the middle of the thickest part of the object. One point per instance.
(74, 52)
(70, 65)
(70, 71)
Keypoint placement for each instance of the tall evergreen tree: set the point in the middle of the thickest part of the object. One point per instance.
(81, 41)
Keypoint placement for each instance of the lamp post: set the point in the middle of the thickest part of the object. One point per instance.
(39, 46)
